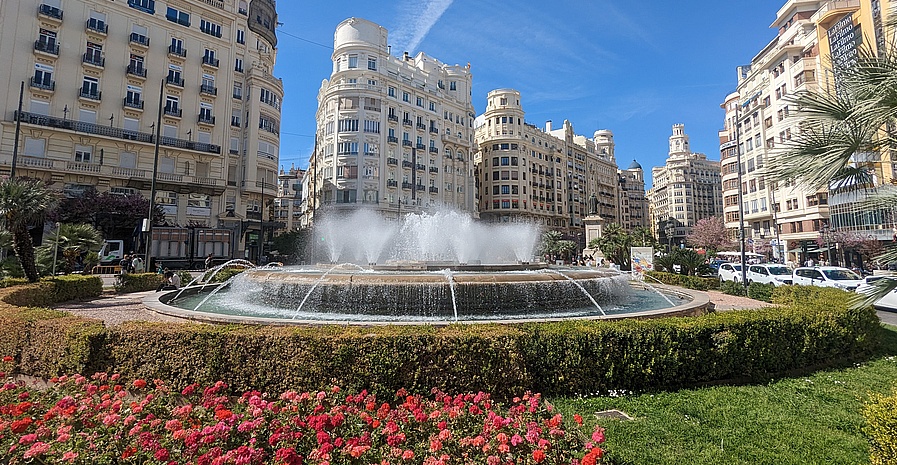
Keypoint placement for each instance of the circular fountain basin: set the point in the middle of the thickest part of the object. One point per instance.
(426, 293)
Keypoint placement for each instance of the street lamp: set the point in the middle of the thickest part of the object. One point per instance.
(55, 249)
(670, 229)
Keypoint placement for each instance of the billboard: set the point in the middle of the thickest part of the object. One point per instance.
(642, 259)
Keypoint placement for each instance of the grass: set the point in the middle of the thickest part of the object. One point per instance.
(815, 419)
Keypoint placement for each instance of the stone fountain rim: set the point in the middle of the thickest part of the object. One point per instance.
(699, 305)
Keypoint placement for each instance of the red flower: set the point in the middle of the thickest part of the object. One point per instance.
(538, 455)
(223, 414)
(578, 419)
(139, 383)
(161, 455)
(592, 457)
(7, 359)
(19, 426)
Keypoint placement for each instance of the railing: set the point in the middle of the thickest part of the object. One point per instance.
(392, 139)
(407, 185)
(235, 122)
(40, 84)
(421, 126)
(420, 187)
(176, 112)
(50, 11)
(407, 164)
(129, 172)
(133, 103)
(36, 162)
(205, 119)
(169, 177)
(269, 156)
(90, 128)
(175, 81)
(46, 47)
(392, 183)
(96, 25)
(434, 150)
(406, 143)
(90, 94)
(434, 130)
(392, 161)
(421, 146)
(82, 167)
(137, 70)
(392, 118)
(434, 190)
(208, 90)
(407, 122)
(211, 61)
(93, 58)
(421, 167)
(179, 51)
(434, 169)
(139, 39)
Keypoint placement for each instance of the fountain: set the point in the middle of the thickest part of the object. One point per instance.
(440, 268)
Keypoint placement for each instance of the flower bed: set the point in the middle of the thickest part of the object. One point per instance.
(104, 420)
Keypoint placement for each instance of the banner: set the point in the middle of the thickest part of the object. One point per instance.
(642, 259)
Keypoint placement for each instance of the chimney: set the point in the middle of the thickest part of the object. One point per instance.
(548, 126)
(405, 56)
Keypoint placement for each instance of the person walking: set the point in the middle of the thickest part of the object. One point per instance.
(209, 262)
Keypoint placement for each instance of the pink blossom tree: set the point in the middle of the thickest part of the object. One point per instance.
(710, 234)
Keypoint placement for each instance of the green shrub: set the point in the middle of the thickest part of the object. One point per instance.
(881, 428)
(9, 282)
(137, 282)
(226, 274)
(761, 291)
(185, 276)
(732, 288)
(53, 290)
(688, 282)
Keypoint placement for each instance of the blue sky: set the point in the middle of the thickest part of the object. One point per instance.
(634, 67)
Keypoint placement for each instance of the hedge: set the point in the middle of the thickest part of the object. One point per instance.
(881, 428)
(689, 282)
(138, 282)
(816, 327)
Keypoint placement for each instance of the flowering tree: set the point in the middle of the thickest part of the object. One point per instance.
(710, 234)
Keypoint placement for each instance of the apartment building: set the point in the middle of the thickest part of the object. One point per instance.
(394, 133)
(760, 122)
(527, 174)
(96, 75)
(289, 206)
(686, 189)
(633, 199)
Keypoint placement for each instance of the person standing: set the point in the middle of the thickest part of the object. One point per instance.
(209, 262)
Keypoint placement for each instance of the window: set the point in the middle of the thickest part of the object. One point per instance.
(146, 6)
(353, 61)
(391, 92)
(90, 87)
(238, 90)
(406, 97)
(235, 118)
(208, 58)
(43, 76)
(420, 102)
(372, 63)
(172, 103)
(453, 85)
(134, 96)
(268, 97)
(94, 54)
(269, 125)
(127, 160)
(177, 16)
(210, 28)
(97, 22)
(238, 65)
(83, 153)
(206, 112)
(34, 147)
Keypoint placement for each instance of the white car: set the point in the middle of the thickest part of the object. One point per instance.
(826, 276)
(888, 302)
(769, 273)
(730, 272)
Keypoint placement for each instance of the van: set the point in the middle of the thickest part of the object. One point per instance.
(769, 273)
(826, 276)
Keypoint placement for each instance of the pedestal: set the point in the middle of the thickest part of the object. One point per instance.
(594, 229)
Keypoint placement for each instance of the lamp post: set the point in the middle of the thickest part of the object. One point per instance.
(741, 235)
(152, 199)
(55, 248)
(670, 229)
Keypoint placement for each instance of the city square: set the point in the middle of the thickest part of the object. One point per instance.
(412, 261)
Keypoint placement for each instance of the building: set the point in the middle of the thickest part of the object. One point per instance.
(95, 73)
(686, 189)
(394, 133)
(633, 200)
(546, 177)
(761, 121)
(289, 206)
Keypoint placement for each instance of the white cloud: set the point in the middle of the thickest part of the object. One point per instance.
(416, 22)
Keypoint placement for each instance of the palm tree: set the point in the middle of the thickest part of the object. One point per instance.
(614, 243)
(845, 129)
(71, 241)
(550, 241)
(23, 203)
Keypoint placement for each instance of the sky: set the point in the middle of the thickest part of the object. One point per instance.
(633, 67)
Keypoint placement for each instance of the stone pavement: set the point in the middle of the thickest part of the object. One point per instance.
(116, 309)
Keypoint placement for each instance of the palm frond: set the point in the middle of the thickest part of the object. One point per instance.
(876, 290)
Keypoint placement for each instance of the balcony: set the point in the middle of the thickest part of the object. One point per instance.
(421, 146)
(174, 81)
(407, 185)
(421, 167)
(173, 111)
(434, 190)
(420, 187)
(392, 183)
(112, 132)
(41, 84)
(137, 70)
(208, 90)
(392, 139)
(407, 164)
(406, 143)
(177, 51)
(421, 126)
(95, 25)
(393, 118)
(90, 94)
(139, 40)
(235, 122)
(210, 61)
(407, 122)
(434, 169)
(50, 12)
(93, 59)
(433, 150)
(205, 119)
(136, 104)
(50, 48)
(434, 130)
(392, 161)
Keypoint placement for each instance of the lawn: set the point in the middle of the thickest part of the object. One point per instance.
(812, 419)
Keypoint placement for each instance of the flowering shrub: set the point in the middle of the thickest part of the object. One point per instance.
(103, 420)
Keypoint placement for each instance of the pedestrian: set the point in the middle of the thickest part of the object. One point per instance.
(209, 261)
(166, 281)
(137, 264)
(175, 280)
(125, 264)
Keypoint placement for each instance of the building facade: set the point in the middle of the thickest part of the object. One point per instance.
(289, 206)
(686, 189)
(394, 133)
(546, 177)
(634, 211)
(95, 73)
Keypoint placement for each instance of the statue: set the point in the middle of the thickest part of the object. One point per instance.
(593, 204)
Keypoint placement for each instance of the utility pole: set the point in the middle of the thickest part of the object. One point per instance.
(740, 198)
(15, 145)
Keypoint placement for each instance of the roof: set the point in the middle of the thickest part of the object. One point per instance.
(634, 166)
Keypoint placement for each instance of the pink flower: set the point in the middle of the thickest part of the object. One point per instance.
(407, 455)
(37, 449)
(111, 419)
(27, 439)
(598, 435)
(69, 456)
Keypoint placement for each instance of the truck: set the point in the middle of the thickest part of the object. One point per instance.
(175, 247)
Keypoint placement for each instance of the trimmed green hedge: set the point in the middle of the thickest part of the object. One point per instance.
(761, 291)
(817, 327)
(49, 291)
(138, 282)
(688, 282)
(881, 428)
(732, 288)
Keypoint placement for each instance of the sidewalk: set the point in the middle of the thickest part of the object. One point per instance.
(117, 309)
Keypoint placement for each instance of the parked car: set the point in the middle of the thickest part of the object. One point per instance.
(888, 302)
(769, 273)
(730, 272)
(826, 276)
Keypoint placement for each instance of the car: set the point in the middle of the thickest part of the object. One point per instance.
(888, 302)
(769, 273)
(730, 272)
(826, 276)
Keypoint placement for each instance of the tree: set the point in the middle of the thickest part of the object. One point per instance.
(614, 244)
(23, 204)
(291, 246)
(844, 130)
(71, 241)
(709, 234)
(114, 215)
(550, 240)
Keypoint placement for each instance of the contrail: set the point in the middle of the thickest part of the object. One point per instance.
(420, 20)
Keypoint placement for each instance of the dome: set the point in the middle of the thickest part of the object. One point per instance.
(634, 166)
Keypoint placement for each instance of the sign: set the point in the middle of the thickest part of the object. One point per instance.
(642, 259)
(844, 40)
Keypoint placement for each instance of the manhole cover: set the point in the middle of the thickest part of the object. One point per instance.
(614, 415)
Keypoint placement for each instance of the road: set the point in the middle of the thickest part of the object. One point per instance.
(889, 318)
